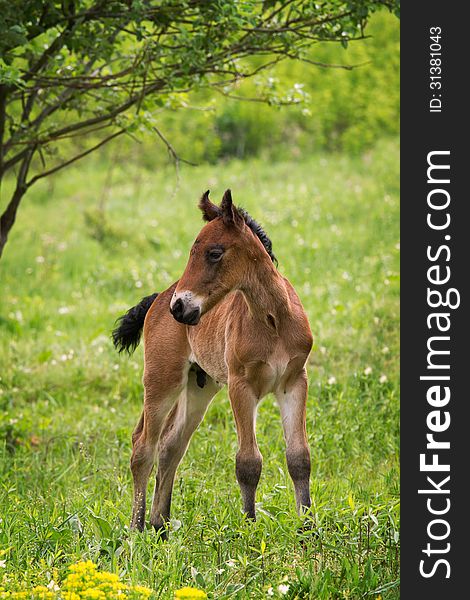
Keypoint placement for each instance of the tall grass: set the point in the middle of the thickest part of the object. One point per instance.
(87, 246)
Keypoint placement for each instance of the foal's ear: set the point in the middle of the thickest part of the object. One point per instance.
(209, 211)
(230, 214)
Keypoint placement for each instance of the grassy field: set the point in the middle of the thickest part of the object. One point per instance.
(90, 244)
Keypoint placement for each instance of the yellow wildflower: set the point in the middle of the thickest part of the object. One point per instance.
(189, 593)
(84, 582)
(93, 594)
(41, 592)
(70, 596)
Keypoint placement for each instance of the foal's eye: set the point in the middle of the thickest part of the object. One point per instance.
(215, 254)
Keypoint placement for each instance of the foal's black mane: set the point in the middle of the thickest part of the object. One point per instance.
(259, 232)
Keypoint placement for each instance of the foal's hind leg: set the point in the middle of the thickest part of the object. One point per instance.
(179, 427)
(292, 399)
(165, 377)
(157, 404)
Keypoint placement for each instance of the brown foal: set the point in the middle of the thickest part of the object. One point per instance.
(231, 319)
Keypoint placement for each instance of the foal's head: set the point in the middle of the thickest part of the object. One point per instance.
(226, 252)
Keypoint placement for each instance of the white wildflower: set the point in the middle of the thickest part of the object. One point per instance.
(383, 378)
(18, 315)
(367, 370)
(52, 585)
(283, 588)
(331, 380)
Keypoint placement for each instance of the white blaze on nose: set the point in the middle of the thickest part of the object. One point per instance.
(190, 300)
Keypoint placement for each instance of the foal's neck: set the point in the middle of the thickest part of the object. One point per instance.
(266, 294)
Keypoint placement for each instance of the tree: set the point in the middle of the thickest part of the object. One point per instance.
(92, 70)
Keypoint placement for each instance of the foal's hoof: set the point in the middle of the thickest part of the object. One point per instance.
(161, 531)
(308, 531)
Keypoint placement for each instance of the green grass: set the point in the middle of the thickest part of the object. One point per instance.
(69, 402)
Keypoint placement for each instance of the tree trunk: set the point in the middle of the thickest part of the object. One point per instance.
(7, 219)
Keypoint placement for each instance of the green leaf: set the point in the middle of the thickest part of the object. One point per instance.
(233, 588)
(101, 527)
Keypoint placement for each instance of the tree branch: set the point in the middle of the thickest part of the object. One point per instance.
(75, 158)
(171, 150)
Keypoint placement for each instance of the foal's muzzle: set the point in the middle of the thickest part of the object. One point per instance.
(185, 314)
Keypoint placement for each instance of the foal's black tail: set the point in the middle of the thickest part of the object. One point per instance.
(127, 334)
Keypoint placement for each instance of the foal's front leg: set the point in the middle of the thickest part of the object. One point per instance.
(249, 460)
(292, 400)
